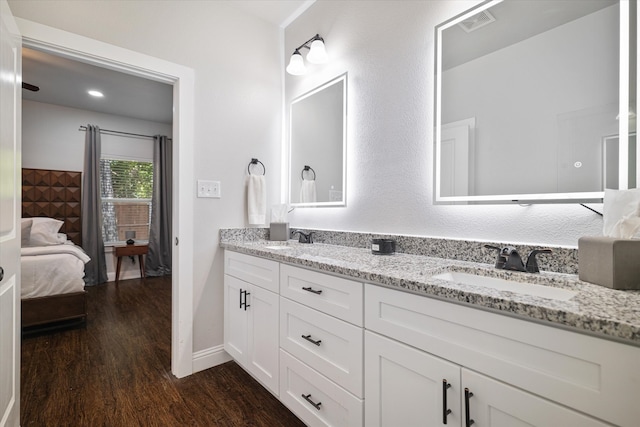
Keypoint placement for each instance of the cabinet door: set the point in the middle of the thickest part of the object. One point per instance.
(262, 353)
(495, 404)
(235, 319)
(404, 386)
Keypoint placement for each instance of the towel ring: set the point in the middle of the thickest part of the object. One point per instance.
(307, 169)
(255, 162)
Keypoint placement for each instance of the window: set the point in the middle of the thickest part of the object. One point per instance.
(126, 187)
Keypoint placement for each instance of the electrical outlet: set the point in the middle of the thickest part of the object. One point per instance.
(209, 189)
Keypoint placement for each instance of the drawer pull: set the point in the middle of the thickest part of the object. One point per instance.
(467, 417)
(308, 399)
(241, 293)
(313, 291)
(308, 338)
(445, 411)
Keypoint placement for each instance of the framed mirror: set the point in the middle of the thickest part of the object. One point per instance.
(530, 95)
(317, 146)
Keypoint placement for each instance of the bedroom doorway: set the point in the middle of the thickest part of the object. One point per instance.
(82, 49)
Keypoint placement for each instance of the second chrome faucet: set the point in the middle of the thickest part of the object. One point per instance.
(509, 259)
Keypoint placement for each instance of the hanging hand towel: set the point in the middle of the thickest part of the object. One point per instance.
(257, 199)
(308, 191)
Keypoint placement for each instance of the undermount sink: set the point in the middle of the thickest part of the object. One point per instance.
(277, 247)
(508, 285)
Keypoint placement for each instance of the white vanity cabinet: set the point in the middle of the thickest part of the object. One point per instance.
(251, 310)
(410, 387)
(321, 341)
(338, 352)
(518, 373)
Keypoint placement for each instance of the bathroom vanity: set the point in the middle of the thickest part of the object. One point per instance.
(344, 337)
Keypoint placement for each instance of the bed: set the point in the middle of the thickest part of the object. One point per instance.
(52, 261)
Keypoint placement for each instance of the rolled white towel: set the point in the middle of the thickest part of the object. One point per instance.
(257, 199)
(308, 191)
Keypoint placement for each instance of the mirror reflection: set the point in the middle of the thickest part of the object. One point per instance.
(528, 101)
(318, 146)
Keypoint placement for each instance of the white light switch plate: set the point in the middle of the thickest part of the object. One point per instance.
(209, 189)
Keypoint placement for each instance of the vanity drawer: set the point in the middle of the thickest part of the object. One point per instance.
(596, 376)
(328, 404)
(339, 350)
(258, 271)
(333, 295)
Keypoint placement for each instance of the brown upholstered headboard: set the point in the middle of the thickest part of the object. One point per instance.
(55, 194)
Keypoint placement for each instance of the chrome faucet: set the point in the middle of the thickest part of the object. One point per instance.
(509, 259)
(304, 237)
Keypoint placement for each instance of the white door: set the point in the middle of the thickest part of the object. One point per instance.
(263, 354)
(235, 318)
(455, 157)
(408, 387)
(10, 171)
(495, 404)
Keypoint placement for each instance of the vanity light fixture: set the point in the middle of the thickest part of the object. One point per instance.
(317, 55)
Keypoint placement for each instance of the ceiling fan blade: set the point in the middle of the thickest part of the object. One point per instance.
(30, 87)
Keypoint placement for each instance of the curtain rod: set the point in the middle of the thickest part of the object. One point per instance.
(84, 128)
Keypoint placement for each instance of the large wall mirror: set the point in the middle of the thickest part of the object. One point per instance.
(317, 146)
(535, 101)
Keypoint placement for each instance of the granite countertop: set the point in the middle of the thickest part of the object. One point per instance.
(595, 309)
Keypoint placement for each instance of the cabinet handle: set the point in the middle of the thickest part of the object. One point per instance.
(308, 399)
(445, 411)
(467, 417)
(308, 338)
(245, 300)
(244, 303)
(313, 291)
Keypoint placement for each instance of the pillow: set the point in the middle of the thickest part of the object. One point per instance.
(25, 227)
(44, 232)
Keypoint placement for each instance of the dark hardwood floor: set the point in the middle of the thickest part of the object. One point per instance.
(117, 371)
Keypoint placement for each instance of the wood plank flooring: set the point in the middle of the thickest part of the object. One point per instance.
(117, 371)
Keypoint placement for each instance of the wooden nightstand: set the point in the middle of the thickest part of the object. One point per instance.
(131, 250)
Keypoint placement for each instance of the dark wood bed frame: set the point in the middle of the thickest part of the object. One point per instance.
(54, 194)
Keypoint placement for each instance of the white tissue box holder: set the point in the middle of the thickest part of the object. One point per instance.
(609, 261)
(279, 231)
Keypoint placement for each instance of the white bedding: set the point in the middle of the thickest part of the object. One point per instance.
(52, 270)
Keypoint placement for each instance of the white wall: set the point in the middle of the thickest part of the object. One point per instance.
(237, 63)
(51, 140)
(387, 47)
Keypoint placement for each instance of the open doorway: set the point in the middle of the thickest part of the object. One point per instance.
(130, 111)
(181, 78)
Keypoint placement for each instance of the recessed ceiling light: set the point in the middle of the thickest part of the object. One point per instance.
(96, 93)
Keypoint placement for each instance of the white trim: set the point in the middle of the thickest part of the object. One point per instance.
(296, 13)
(209, 357)
(102, 54)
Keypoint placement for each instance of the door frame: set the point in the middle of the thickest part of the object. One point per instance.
(95, 52)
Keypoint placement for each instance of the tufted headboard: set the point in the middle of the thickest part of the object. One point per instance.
(54, 194)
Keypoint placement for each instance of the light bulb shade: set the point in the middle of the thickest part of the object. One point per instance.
(317, 53)
(296, 65)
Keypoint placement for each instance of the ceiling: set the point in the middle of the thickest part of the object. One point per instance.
(65, 82)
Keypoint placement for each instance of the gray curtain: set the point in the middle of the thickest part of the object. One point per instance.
(96, 269)
(158, 262)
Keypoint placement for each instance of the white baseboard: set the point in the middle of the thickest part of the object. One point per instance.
(209, 357)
